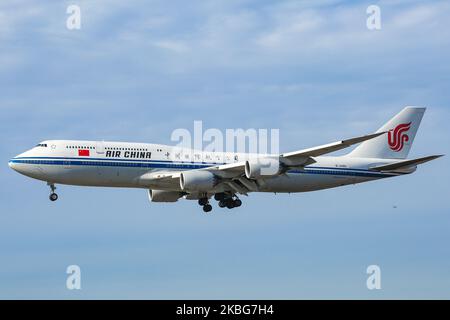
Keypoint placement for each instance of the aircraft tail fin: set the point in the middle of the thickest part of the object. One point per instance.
(396, 144)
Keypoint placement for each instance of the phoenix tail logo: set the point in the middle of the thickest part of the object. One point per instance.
(397, 136)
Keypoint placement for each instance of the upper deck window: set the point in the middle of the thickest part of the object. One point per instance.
(42, 145)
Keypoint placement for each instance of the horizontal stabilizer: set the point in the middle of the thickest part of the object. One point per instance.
(404, 164)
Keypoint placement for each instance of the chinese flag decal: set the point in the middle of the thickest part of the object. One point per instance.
(83, 153)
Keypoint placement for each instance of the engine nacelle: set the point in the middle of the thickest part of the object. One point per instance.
(164, 196)
(197, 181)
(262, 167)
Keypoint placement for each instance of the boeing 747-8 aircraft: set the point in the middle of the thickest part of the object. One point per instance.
(151, 166)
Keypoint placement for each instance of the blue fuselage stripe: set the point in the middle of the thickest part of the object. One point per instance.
(162, 164)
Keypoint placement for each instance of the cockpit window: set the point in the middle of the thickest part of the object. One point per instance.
(44, 145)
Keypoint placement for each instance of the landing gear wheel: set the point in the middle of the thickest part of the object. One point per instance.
(203, 201)
(53, 196)
(237, 203)
(222, 204)
(207, 207)
(230, 204)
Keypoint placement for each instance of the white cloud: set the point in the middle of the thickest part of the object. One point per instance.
(420, 15)
(299, 53)
(290, 29)
(172, 45)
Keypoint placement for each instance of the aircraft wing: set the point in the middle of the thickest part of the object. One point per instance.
(229, 170)
(233, 174)
(302, 157)
(405, 164)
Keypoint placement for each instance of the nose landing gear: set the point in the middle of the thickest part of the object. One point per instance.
(53, 196)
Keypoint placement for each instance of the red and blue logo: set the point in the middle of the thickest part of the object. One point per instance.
(397, 136)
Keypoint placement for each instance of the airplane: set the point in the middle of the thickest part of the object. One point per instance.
(382, 154)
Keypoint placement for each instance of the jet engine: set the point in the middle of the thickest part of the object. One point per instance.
(164, 196)
(197, 181)
(262, 167)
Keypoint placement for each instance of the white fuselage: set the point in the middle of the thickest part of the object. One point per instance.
(121, 164)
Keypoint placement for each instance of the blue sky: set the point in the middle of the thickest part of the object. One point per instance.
(137, 70)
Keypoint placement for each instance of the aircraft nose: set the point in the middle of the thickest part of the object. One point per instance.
(11, 164)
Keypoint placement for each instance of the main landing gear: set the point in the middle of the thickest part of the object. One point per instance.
(53, 196)
(229, 201)
(205, 203)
